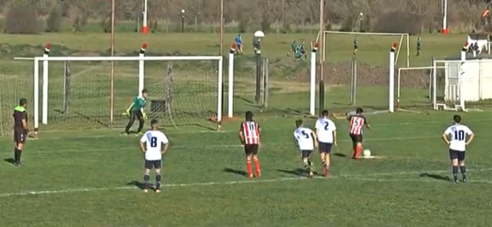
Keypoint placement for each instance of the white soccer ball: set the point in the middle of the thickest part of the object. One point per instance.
(366, 153)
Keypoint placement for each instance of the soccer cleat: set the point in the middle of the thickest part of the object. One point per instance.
(157, 190)
(311, 174)
(145, 190)
(258, 174)
(125, 133)
(138, 134)
(250, 176)
(465, 179)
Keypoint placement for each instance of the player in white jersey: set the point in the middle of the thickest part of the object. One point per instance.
(306, 140)
(153, 144)
(458, 136)
(326, 132)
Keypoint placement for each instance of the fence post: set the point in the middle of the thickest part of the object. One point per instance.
(265, 82)
(67, 76)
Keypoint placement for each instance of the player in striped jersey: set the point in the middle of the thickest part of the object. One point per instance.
(458, 136)
(326, 132)
(249, 135)
(306, 140)
(357, 123)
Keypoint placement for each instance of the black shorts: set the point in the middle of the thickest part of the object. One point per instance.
(20, 135)
(325, 147)
(153, 164)
(356, 138)
(303, 52)
(250, 149)
(356, 47)
(454, 154)
(306, 153)
(137, 114)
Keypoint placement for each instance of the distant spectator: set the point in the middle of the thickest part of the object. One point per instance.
(239, 44)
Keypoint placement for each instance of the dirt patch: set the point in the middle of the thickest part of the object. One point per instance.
(367, 75)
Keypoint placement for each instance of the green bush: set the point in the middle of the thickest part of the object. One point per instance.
(21, 20)
(53, 23)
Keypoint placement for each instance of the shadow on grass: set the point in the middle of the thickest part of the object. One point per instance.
(137, 184)
(9, 160)
(296, 172)
(235, 171)
(435, 176)
(340, 155)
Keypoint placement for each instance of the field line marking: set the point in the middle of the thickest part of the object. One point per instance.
(340, 177)
(82, 150)
(111, 131)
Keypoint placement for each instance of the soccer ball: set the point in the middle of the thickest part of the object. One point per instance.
(366, 153)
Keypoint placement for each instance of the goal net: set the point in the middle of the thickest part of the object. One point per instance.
(356, 68)
(414, 88)
(80, 93)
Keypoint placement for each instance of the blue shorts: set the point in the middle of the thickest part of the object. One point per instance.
(306, 153)
(153, 164)
(454, 154)
(325, 147)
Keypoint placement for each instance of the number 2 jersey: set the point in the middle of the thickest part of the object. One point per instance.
(154, 140)
(304, 137)
(458, 135)
(325, 128)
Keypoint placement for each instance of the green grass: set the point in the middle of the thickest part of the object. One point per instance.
(77, 176)
(86, 179)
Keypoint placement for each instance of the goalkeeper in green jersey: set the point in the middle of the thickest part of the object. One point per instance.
(136, 110)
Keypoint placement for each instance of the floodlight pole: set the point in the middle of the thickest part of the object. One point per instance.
(321, 59)
(257, 47)
(182, 20)
(221, 39)
(445, 17)
(111, 73)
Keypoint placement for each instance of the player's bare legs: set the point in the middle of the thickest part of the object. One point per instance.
(327, 161)
(146, 180)
(257, 165)
(158, 180)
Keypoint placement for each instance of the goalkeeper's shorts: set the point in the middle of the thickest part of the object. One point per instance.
(136, 114)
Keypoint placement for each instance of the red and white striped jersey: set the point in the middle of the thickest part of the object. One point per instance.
(357, 123)
(250, 132)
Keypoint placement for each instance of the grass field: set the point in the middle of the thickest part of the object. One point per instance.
(88, 179)
(77, 176)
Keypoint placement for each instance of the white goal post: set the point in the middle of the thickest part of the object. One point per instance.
(403, 38)
(42, 78)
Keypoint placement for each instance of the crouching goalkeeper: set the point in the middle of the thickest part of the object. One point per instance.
(136, 110)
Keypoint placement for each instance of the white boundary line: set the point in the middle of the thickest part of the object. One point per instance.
(110, 132)
(212, 183)
(86, 150)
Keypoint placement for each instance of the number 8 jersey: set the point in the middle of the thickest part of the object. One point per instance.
(458, 134)
(154, 140)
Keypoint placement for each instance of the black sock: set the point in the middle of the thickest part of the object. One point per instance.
(463, 171)
(455, 173)
(309, 163)
(158, 181)
(16, 155)
(140, 125)
(20, 154)
(146, 180)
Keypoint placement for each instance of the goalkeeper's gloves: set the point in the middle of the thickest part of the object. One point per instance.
(144, 115)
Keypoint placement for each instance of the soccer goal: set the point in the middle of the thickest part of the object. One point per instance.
(79, 92)
(414, 88)
(356, 68)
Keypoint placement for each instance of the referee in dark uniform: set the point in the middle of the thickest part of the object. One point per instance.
(20, 129)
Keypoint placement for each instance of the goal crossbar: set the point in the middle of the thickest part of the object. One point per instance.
(402, 35)
(45, 59)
